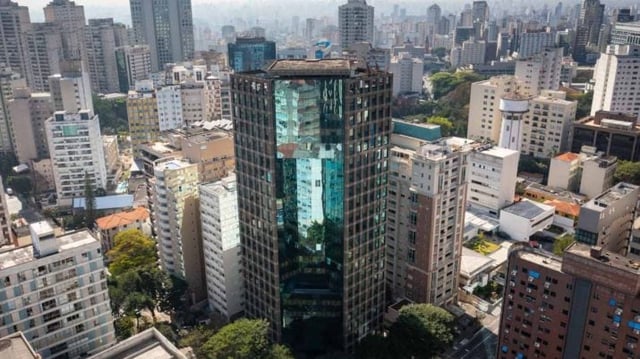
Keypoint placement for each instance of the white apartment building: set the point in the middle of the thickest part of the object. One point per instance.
(492, 177)
(473, 52)
(55, 292)
(176, 222)
(565, 171)
(540, 72)
(169, 107)
(407, 73)
(355, 20)
(547, 125)
(532, 43)
(76, 150)
(597, 174)
(485, 118)
(134, 64)
(221, 244)
(616, 76)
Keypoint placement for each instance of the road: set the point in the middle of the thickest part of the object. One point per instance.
(482, 345)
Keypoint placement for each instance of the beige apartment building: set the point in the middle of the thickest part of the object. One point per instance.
(28, 113)
(485, 118)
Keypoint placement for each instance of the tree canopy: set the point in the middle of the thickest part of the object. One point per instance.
(422, 331)
(560, 244)
(132, 249)
(628, 171)
(20, 184)
(113, 115)
(244, 339)
(446, 126)
(444, 82)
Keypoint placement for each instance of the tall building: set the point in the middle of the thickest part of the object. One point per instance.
(142, 112)
(583, 305)
(588, 28)
(75, 147)
(480, 10)
(547, 124)
(166, 26)
(28, 113)
(70, 19)
(71, 89)
(432, 243)
(540, 71)
(485, 118)
(250, 53)
(45, 50)
(533, 42)
(626, 33)
(407, 73)
(133, 64)
(606, 220)
(221, 244)
(312, 173)
(615, 89)
(176, 222)
(169, 107)
(9, 81)
(355, 20)
(55, 292)
(101, 43)
(14, 28)
(6, 234)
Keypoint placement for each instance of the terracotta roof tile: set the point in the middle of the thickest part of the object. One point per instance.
(122, 218)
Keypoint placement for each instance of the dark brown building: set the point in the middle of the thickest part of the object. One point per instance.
(613, 133)
(311, 144)
(583, 305)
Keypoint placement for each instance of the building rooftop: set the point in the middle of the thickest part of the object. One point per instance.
(172, 164)
(610, 196)
(567, 157)
(472, 263)
(149, 344)
(106, 202)
(311, 67)
(499, 152)
(15, 346)
(605, 257)
(527, 209)
(17, 256)
(422, 131)
(543, 259)
(570, 208)
(121, 219)
(41, 228)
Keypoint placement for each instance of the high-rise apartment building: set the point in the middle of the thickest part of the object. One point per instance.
(583, 305)
(424, 249)
(311, 149)
(75, 147)
(9, 81)
(71, 89)
(28, 113)
(355, 20)
(540, 71)
(221, 245)
(485, 118)
(169, 107)
(616, 78)
(250, 53)
(102, 39)
(407, 73)
(14, 26)
(142, 112)
(44, 42)
(176, 222)
(532, 43)
(547, 124)
(6, 234)
(166, 26)
(626, 33)
(133, 64)
(70, 19)
(55, 292)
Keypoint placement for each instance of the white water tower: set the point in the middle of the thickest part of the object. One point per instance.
(512, 107)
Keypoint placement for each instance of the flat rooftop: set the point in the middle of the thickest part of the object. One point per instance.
(149, 344)
(311, 67)
(610, 259)
(610, 196)
(527, 209)
(15, 346)
(546, 260)
(499, 152)
(22, 255)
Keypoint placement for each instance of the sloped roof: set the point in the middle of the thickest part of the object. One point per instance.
(122, 218)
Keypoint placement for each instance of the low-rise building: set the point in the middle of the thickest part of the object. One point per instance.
(149, 343)
(524, 218)
(108, 226)
(597, 174)
(565, 171)
(614, 134)
(492, 177)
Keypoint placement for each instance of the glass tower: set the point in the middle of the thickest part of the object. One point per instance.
(311, 145)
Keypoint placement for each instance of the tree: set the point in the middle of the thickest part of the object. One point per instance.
(196, 338)
(442, 83)
(628, 171)
(244, 339)
(132, 249)
(374, 346)
(446, 126)
(113, 115)
(561, 244)
(422, 331)
(89, 202)
(20, 184)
